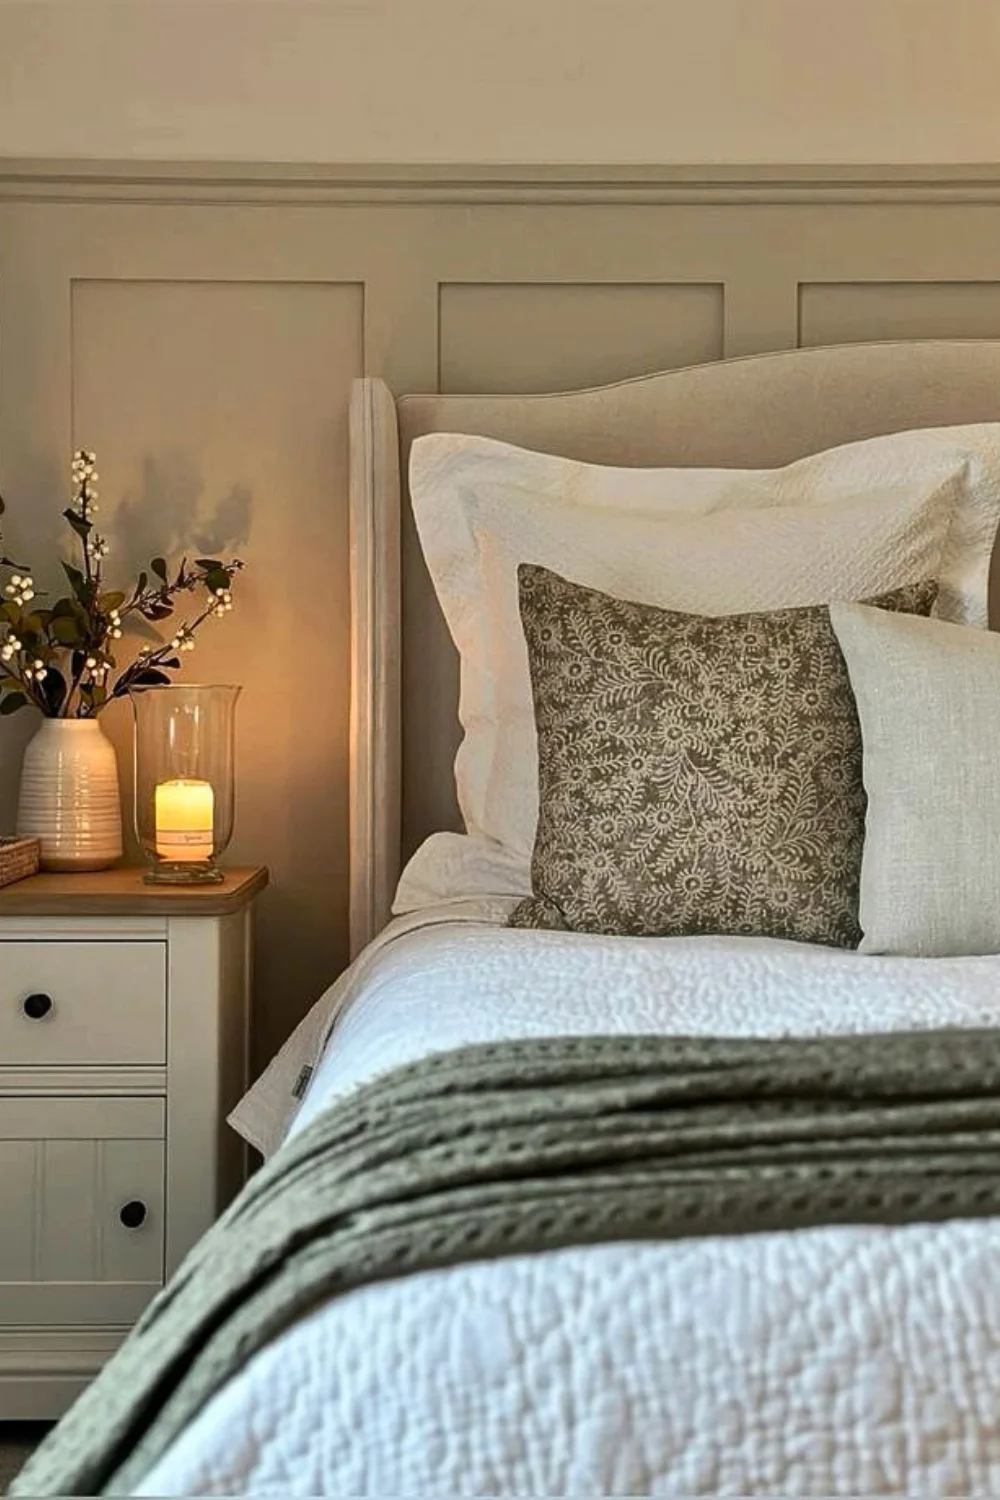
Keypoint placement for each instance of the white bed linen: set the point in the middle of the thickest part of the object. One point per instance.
(841, 1361)
(848, 523)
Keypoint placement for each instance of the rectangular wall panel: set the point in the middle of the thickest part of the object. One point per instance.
(218, 412)
(853, 312)
(554, 337)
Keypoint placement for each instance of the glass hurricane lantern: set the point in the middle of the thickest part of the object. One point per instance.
(183, 777)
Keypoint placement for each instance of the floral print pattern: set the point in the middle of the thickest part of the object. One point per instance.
(697, 774)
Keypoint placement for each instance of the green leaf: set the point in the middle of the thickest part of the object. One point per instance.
(53, 686)
(217, 579)
(208, 562)
(12, 703)
(10, 611)
(159, 567)
(66, 631)
(140, 586)
(80, 526)
(10, 685)
(108, 602)
(77, 581)
(150, 677)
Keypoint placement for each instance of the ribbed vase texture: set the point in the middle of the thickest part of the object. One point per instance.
(69, 795)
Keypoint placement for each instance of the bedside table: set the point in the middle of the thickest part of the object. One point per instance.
(124, 1010)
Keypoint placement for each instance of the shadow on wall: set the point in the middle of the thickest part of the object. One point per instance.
(168, 515)
(16, 733)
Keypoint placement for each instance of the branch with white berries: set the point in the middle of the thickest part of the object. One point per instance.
(60, 658)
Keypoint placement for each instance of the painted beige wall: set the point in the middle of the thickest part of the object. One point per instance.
(502, 80)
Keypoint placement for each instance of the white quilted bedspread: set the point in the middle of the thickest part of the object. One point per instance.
(846, 1361)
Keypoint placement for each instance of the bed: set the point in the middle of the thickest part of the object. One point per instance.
(843, 1359)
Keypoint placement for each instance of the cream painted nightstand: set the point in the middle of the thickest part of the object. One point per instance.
(123, 1044)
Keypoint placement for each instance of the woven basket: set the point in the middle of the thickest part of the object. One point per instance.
(18, 859)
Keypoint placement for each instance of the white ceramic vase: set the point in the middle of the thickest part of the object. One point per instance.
(69, 795)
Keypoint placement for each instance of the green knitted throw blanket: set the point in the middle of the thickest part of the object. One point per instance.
(533, 1145)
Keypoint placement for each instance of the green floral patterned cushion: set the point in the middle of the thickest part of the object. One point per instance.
(697, 774)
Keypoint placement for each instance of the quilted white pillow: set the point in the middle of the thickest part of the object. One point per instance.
(852, 522)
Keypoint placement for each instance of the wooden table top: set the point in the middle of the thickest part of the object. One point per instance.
(122, 892)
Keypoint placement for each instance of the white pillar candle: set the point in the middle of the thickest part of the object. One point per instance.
(184, 817)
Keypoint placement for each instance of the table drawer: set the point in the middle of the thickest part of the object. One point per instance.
(82, 1003)
(81, 1234)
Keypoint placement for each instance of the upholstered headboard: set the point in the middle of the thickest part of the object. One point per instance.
(756, 412)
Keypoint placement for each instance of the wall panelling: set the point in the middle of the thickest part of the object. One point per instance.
(848, 312)
(200, 326)
(547, 336)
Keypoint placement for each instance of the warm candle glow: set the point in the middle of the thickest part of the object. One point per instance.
(184, 818)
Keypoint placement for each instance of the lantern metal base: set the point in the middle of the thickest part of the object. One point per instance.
(181, 872)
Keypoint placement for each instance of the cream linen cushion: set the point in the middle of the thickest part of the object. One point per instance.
(928, 698)
(850, 523)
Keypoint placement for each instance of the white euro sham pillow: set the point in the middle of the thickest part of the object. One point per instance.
(845, 524)
(928, 697)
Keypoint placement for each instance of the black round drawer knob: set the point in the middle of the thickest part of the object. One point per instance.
(37, 1007)
(133, 1215)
